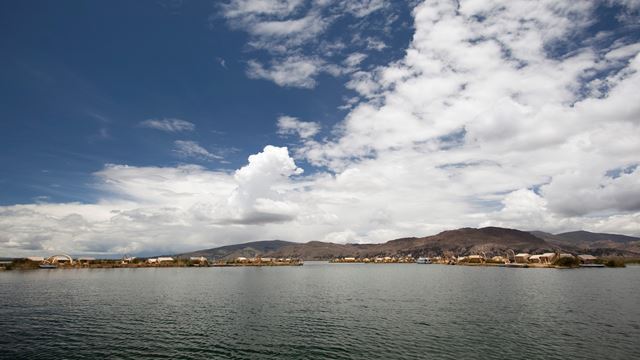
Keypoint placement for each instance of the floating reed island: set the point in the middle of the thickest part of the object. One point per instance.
(63, 261)
(520, 260)
(512, 259)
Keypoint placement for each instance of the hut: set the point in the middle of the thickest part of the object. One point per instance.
(547, 258)
(522, 258)
(60, 259)
(152, 261)
(35, 258)
(587, 259)
(165, 259)
(198, 260)
(85, 260)
(476, 259)
(535, 259)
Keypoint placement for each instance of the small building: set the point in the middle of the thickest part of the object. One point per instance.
(498, 259)
(587, 259)
(535, 259)
(461, 259)
(86, 259)
(522, 258)
(152, 261)
(241, 259)
(349, 259)
(476, 259)
(165, 259)
(35, 258)
(198, 260)
(547, 258)
(60, 259)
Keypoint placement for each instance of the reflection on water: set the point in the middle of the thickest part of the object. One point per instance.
(321, 310)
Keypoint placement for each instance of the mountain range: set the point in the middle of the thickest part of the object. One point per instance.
(465, 241)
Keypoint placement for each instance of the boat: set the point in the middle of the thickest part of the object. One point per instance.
(592, 265)
(423, 260)
(48, 266)
(516, 265)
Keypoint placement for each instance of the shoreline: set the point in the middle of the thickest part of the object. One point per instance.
(300, 263)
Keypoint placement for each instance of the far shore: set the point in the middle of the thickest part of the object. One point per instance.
(167, 262)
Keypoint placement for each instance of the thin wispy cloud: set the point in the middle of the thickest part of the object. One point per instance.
(192, 150)
(168, 125)
(295, 36)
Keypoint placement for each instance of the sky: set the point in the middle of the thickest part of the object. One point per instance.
(164, 126)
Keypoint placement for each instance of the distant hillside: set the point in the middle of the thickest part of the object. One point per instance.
(597, 243)
(490, 240)
(249, 249)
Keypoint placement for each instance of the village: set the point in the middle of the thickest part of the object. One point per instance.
(510, 259)
(64, 261)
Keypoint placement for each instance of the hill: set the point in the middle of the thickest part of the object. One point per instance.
(596, 243)
(465, 241)
(249, 249)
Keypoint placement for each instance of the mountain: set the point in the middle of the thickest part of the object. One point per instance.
(465, 241)
(596, 243)
(249, 249)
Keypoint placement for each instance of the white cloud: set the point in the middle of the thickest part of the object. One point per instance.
(294, 33)
(354, 59)
(361, 8)
(157, 210)
(288, 125)
(293, 71)
(191, 149)
(168, 125)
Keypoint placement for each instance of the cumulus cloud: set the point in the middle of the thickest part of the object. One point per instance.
(168, 125)
(288, 125)
(258, 199)
(154, 209)
(191, 149)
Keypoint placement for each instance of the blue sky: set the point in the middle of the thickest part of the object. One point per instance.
(158, 126)
(77, 79)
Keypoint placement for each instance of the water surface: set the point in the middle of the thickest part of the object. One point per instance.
(320, 310)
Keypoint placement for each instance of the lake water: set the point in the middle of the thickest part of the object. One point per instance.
(321, 310)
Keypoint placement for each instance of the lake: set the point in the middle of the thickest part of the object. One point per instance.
(321, 310)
